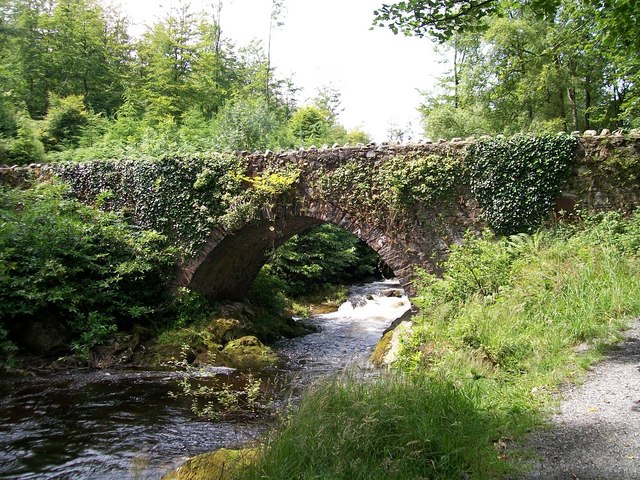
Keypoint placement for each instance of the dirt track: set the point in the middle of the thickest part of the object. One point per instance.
(596, 434)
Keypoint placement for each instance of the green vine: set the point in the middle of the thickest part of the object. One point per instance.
(264, 191)
(181, 198)
(384, 192)
(516, 180)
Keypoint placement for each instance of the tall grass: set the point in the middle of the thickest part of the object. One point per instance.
(498, 333)
(395, 427)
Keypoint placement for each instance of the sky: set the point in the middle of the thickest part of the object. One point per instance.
(330, 43)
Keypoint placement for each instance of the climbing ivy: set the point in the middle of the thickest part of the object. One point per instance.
(183, 198)
(263, 192)
(419, 178)
(516, 180)
(384, 192)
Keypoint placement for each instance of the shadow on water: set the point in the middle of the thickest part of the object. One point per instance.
(124, 424)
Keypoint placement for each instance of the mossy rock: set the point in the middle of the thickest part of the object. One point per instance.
(382, 348)
(249, 352)
(227, 329)
(386, 351)
(223, 464)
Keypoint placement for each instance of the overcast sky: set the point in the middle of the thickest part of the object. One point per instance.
(329, 43)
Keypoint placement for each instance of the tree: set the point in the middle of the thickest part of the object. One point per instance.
(526, 70)
(275, 21)
(89, 53)
(167, 54)
(26, 72)
(328, 99)
(440, 19)
(65, 121)
(310, 124)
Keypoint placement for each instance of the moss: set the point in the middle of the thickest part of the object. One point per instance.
(249, 352)
(326, 300)
(381, 350)
(223, 464)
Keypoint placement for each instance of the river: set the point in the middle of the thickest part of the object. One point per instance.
(123, 424)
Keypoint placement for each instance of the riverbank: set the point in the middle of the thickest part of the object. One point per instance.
(511, 322)
(122, 423)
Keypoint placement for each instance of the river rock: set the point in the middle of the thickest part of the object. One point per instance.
(46, 336)
(249, 352)
(223, 464)
(386, 351)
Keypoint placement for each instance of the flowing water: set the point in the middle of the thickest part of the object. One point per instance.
(123, 424)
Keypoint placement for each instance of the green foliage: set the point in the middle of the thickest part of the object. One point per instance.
(323, 255)
(445, 121)
(26, 147)
(213, 399)
(310, 124)
(496, 337)
(614, 230)
(181, 198)
(65, 121)
(386, 191)
(64, 260)
(180, 89)
(439, 19)
(480, 266)
(8, 122)
(530, 67)
(516, 340)
(245, 124)
(516, 180)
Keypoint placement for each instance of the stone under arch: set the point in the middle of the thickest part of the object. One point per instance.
(228, 264)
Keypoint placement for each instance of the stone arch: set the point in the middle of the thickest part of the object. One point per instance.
(229, 262)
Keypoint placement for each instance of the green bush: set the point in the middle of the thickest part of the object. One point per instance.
(22, 145)
(26, 147)
(479, 266)
(65, 122)
(63, 260)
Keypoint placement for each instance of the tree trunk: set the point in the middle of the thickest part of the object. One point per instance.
(563, 110)
(587, 102)
(571, 92)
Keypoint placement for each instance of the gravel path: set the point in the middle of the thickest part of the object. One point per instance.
(596, 434)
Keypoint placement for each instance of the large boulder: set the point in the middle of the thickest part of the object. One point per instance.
(249, 352)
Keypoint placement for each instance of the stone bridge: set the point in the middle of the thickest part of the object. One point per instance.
(409, 203)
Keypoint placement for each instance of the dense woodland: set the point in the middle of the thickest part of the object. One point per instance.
(520, 66)
(71, 78)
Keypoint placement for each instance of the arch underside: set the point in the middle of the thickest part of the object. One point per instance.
(230, 264)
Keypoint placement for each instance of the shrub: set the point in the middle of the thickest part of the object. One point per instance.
(26, 147)
(65, 121)
(67, 261)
